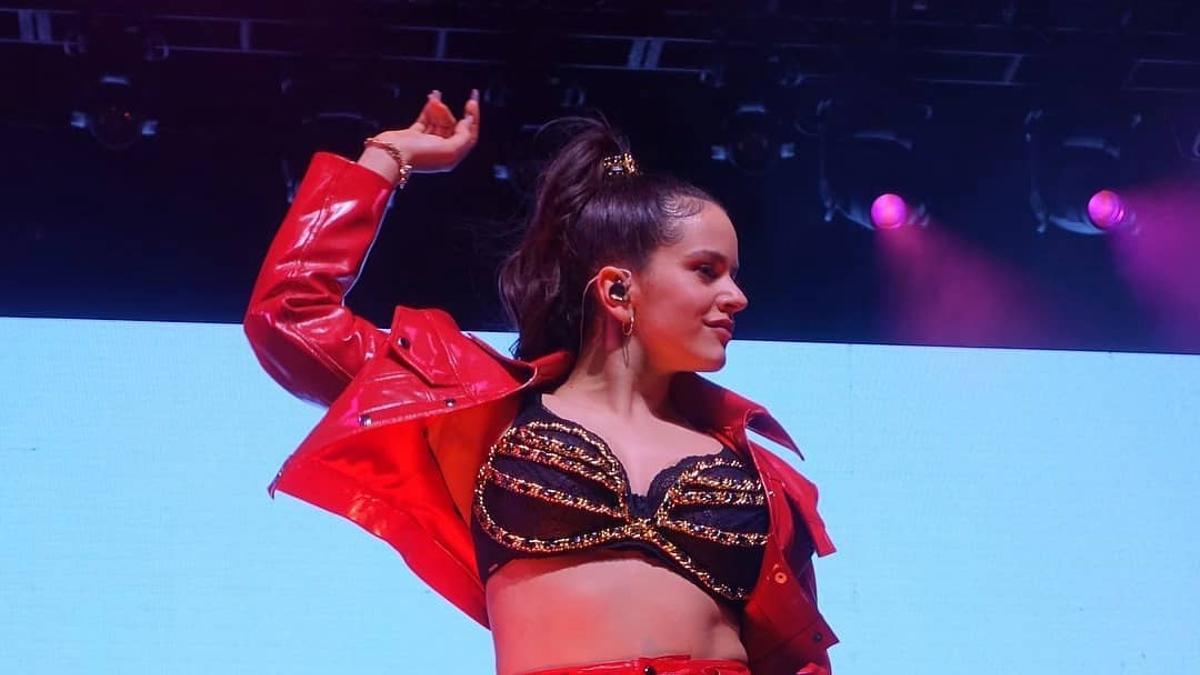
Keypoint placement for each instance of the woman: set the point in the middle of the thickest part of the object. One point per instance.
(593, 492)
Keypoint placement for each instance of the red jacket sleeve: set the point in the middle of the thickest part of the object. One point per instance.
(299, 328)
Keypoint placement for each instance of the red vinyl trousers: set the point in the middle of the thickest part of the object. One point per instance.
(674, 664)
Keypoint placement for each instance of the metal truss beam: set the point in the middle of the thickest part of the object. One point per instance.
(981, 53)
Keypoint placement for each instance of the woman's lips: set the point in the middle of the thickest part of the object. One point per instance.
(728, 334)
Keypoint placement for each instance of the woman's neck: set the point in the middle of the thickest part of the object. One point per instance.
(614, 389)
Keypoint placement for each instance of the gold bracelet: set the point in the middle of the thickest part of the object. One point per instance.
(396, 154)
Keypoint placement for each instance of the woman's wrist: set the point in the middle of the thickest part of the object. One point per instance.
(399, 157)
(379, 161)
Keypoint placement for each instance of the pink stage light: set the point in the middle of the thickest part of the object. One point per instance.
(1108, 211)
(889, 211)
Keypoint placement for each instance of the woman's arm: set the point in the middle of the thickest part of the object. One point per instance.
(299, 328)
(296, 321)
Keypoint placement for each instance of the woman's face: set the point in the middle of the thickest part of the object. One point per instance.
(685, 291)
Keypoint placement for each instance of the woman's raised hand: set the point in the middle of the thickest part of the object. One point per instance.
(435, 141)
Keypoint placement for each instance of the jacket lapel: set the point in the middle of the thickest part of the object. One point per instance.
(721, 408)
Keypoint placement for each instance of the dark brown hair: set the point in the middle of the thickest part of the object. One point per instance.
(582, 220)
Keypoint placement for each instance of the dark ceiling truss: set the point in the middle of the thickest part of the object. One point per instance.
(1152, 50)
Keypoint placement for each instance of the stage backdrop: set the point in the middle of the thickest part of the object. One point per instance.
(996, 511)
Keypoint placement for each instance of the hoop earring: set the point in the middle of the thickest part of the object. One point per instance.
(629, 331)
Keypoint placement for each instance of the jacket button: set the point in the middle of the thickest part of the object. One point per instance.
(404, 342)
(449, 403)
(818, 636)
(780, 577)
(649, 670)
(364, 419)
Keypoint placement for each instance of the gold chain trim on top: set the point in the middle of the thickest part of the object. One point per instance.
(600, 465)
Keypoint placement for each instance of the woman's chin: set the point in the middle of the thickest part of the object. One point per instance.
(712, 362)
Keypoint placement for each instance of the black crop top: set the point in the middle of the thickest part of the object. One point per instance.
(549, 486)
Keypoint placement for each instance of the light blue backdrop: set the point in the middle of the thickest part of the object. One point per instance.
(997, 511)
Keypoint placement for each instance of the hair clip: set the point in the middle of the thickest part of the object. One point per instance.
(620, 165)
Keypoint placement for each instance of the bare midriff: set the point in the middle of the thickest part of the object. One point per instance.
(607, 605)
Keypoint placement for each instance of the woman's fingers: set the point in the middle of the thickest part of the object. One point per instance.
(466, 131)
(437, 141)
(422, 123)
(439, 119)
(464, 134)
(471, 111)
(435, 118)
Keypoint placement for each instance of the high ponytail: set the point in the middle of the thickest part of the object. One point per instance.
(581, 221)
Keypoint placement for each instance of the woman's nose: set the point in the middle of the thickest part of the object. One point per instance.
(735, 301)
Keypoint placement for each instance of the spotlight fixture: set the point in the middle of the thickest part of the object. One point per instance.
(117, 58)
(1078, 164)
(113, 113)
(889, 211)
(868, 151)
(1108, 211)
(754, 140)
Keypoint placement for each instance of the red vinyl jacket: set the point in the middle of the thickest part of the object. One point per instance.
(412, 412)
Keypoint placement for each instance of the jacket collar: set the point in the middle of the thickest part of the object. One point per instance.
(705, 402)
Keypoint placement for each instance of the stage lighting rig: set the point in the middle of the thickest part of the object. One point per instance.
(114, 113)
(756, 89)
(754, 139)
(333, 109)
(116, 57)
(522, 110)
(1079, 163)
(870, 161)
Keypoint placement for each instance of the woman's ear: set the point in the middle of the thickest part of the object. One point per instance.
(616, 289)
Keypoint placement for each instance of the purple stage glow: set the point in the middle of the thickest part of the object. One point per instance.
(889, 211)
(1159, 262)
(1107, 210)
(939, 288)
